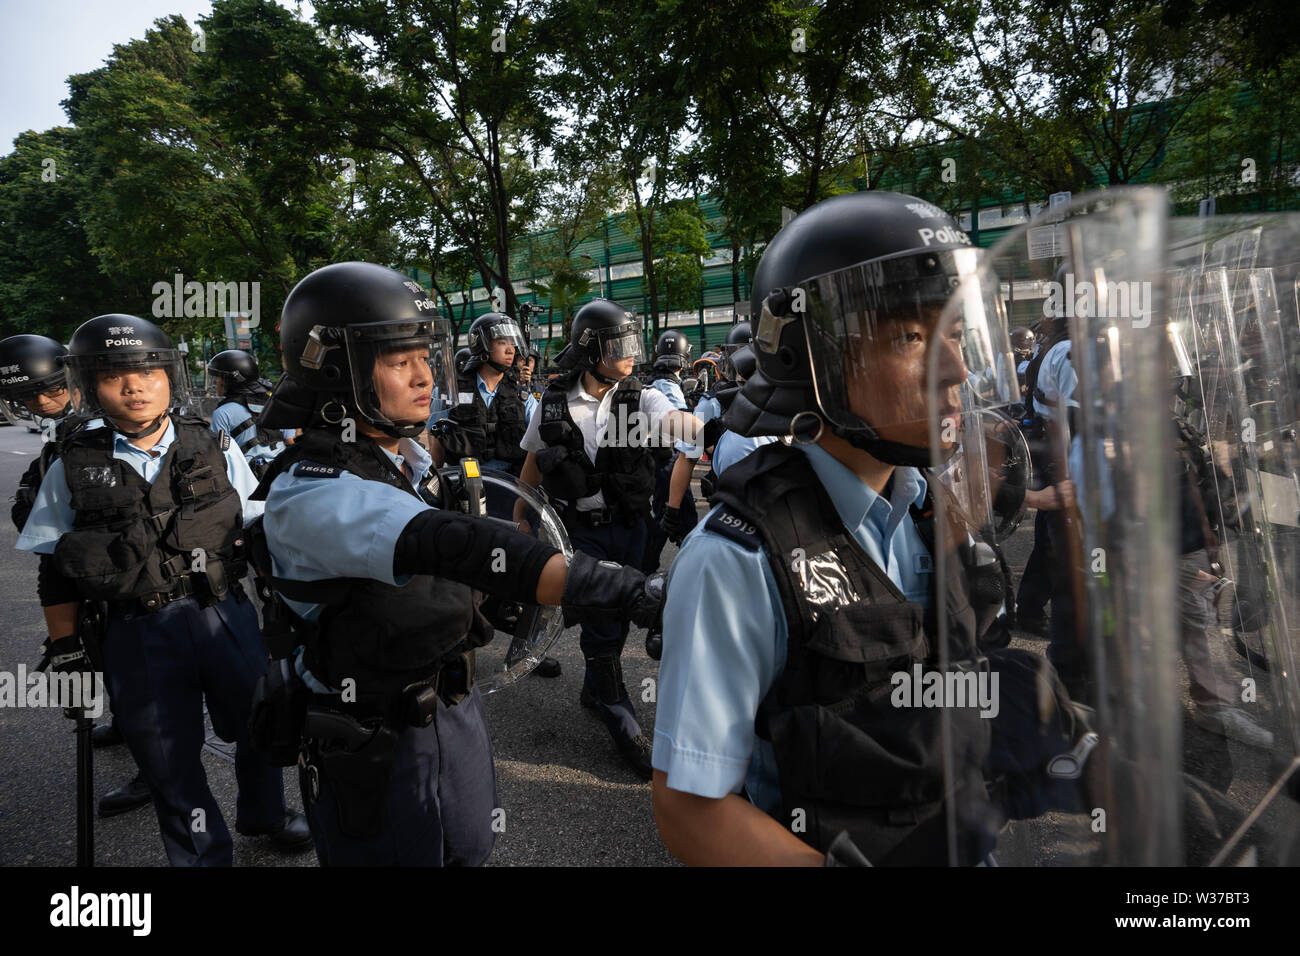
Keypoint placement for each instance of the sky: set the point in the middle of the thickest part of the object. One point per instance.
(43, 42)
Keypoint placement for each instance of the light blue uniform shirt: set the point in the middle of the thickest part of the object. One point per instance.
(733, 446)
(724, 645)
(52, 514)
(1057, 381)
(231, 418)
(530, 404)
(319, 528)
(672, 390)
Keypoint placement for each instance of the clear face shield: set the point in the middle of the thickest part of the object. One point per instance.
(1244, 464)
(87, 374)
(398, 367)
(872, 331)
(621, 342)
(508, 332)
(1080, 761)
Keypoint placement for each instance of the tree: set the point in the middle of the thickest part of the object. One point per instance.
(50, 282)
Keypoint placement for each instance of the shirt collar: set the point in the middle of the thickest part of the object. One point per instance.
(123, 444)
(412, 453)
(854, 498)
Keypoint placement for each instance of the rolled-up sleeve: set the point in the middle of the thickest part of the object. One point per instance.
(51, 515)
(341, 527)
(723, 631)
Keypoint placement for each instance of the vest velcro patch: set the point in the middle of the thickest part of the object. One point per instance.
(553, 411)
(732, 526)
(314, 469)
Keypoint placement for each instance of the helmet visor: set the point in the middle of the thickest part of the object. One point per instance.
(621, 342)
(88, 374)
(508, 331)
(871, 329)
(399, 367)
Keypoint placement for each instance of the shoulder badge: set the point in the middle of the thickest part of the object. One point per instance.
(225, 441)
(314, 469)
(732, 526)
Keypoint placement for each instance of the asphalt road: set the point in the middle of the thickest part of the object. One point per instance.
(568, 799)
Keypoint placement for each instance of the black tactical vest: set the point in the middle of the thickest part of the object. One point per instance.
(490, 431)
(625, 473)
(847, 759)
(382, 636)
(136, 540)
(30, 483)
(261, 435)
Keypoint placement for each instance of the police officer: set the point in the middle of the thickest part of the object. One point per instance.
(397, 762)
(587, 448)
(145, 512)
(236, 376)
(672, 354)
(813, 579)
(1023, 345)
(33, 384)
(488, 421)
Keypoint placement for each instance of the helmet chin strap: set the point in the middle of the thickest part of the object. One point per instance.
(889, 452)
(399, 431)
(498, 366)
(145, 432)
(604, 379)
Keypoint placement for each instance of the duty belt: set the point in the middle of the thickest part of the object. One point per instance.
(416, 703)
(596, 518)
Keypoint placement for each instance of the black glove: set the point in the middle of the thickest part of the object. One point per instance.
(671, 523)
(604, 590)
(66, 655)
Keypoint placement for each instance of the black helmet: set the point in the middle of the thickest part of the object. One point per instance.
(1022, 342)
(489, 327)
(743, 363)
(334, 325)
(119, 342)
(601, 330)
(239, 369)
(462, 360)
(29, 366)
(741, 334)
(672, 351)
(823, 288)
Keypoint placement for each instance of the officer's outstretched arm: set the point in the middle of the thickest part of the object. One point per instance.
(680, 479)
(731, 831)
(490, 557)
(681, 426)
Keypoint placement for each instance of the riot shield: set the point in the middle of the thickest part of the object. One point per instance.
(1080, 756)
(1244, 330)
(523, 632)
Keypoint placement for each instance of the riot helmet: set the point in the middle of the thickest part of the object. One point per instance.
(849, 292)
(601, 331)
(336, 324)
(672, 351)
(743, 362)
(1022, 343)
(741, 334)
(238, 370)
(31, 366)
(117, 345)
(462, 360)
(489, 328)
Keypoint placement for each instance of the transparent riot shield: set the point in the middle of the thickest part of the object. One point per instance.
(524, 632)
(1080, 754)
(1246, 336)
